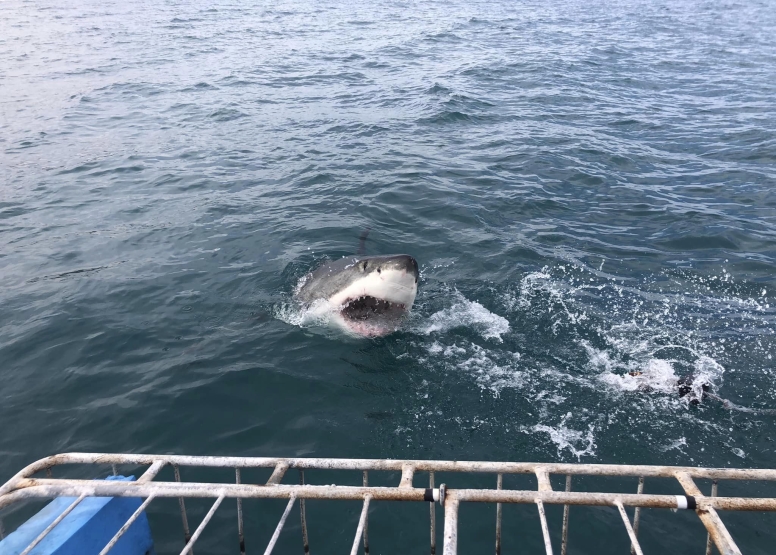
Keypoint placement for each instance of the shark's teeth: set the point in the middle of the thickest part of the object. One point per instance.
(368, 307)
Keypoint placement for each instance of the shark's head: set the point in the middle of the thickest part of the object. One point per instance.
(371, 294)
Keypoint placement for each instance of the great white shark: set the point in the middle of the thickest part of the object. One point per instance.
(366, 295)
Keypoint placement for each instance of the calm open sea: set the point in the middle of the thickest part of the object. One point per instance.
(588, 188)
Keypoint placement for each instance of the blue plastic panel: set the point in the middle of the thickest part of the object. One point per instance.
(86, 530)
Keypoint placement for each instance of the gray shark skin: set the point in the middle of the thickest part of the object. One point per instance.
(332, 277)
(369, 295)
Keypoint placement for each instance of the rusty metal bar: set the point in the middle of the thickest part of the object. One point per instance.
(565, 534)
(366, 519)
(240, 528)
(634, 541)
(277, 474)
(53, 525)
(708, 536)
(126, 526)
(279, 527)
(23, 486)
(543, 476)
(201, 527)
(450, 546)
(303, 517)
(717, 530)
(152, 471)
(361, 525)
(637, 513)
(407, 473)
(186, 532)
(545, 528)
(432, 510)
(395, 465)
(499, 484)
(37, 488)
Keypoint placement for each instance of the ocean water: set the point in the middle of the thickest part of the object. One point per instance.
(588, 189)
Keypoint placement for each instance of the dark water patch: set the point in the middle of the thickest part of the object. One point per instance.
(447, 117)
(201, 86)
(227, 114)
(690, 243)
(444, 38)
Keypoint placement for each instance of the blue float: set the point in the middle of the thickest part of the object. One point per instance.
(86, 530)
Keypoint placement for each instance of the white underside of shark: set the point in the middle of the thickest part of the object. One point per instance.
(368, 303)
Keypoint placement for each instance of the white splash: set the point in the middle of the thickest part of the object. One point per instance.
(491, 371)
(467, 314)
(577, 442)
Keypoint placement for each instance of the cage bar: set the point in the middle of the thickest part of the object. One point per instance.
(634, 542)
(565, 534)
(279, 527)
(303, 518)
(361, 525)
(366, 519)
(202, 525)
(450, 546)
(27, 484)
(184, 518)
(708, 536)
(545, 528)
(126, 525)
(637, 513)
(499, 484)
(432, 511)
(240, 528)
(53, 525)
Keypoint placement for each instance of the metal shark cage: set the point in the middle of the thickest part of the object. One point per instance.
(25, 485)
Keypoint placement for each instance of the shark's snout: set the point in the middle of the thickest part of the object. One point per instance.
(378, 290)
(401, 263)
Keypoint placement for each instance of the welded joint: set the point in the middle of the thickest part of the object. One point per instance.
(544, 479)
(277, 474)
(152, 471)
(708, 515)
(407, 473)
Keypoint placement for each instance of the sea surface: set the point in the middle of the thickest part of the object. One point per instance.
(588, 188)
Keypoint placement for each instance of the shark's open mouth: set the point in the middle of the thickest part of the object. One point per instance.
(368, 307)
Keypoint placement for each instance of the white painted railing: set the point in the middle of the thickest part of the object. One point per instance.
(25, 485)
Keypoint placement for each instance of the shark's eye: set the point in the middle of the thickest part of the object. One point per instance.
(364, 265)
(378, 270)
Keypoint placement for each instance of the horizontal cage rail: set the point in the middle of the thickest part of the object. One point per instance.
(24, 485)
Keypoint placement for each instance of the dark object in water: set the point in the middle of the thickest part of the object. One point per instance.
(685, 385)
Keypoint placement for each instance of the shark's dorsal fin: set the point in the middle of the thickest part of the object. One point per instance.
(362, 242)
